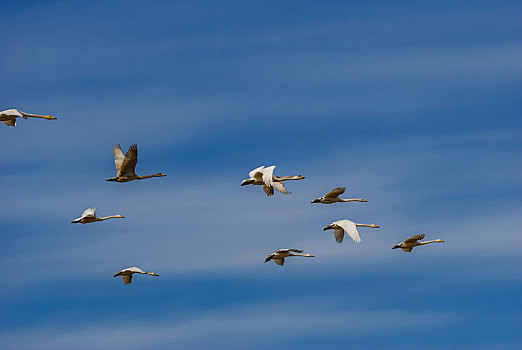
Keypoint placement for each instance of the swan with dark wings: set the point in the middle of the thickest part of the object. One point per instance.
(126, 165)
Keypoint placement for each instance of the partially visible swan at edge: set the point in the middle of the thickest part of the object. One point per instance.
(126, 274)
(265, 176)
(350, 227)
(8, 117)
(333, 197)
(412, 242)
(89, 215)
(126, 165)
(279, 256)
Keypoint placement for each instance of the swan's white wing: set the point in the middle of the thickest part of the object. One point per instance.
(89, 212)
(289, 250)
(339, 235)
(350, 229)
(335, 192)
(118, 159)
(9, 122)
(279, 261)
(256, 170)
(12, 112)
(127, 279)
(134, 269)
(280, 187)
(268, 174)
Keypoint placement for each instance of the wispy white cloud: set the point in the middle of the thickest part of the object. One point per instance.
(235, 327)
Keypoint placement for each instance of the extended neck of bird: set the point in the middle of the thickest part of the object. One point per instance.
(149, 176)
(309, 255)
(433, 241)
(111, 217)
(285, 178)
(367, 225)
(354, 200)
(38, 116)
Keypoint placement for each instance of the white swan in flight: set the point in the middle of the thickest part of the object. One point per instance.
(350, 227)
(8, 117)
(89, 215)
(265, 176)
(333, 197)
(126, 274)
(412, 242)
(279, 256)
(126, 165)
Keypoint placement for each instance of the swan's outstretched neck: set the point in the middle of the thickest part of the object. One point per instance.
(286, 178)
(149, 176)
(27, 115)
(366, 225)
(308, 255)
(433, 241)
(111, 217)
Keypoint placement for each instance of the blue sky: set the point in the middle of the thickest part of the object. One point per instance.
(413, 106)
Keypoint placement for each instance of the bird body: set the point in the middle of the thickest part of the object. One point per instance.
(333, 197)
(126, 165)
(279, 256)
(8, 117)
(89, 215)
(408, 244)
(126, 274)
(350, 227)
(264, 176)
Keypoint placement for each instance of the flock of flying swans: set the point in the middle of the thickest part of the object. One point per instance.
(262, 176)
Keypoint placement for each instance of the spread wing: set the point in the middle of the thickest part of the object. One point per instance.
(269, 190)
(350, 228)
(268, 174)
(253, 173)
(414, 238)
(134, 269)
(11, 113)
(335, 192)
(279, 261)
(89, 212)
(289, 250)
(339, 235)
(10, 122)
(280, 187)
(118, 159)
(127, 279)
(131, 159)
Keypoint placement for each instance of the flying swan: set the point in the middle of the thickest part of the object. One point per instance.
(8, 117)
(333, 197)
(350, 227)
(126, 165)
(279, 256)
(265, 176)
(412, 242)
(126, 274)
(89, 215)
